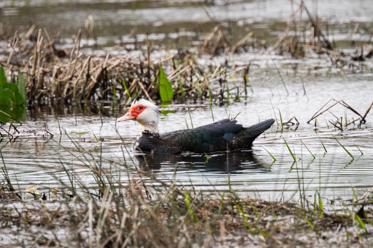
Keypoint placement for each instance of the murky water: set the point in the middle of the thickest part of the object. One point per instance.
(81, 141)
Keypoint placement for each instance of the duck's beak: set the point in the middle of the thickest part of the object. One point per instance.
(126, 117)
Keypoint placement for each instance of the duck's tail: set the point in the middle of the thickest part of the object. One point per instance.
(249, 134)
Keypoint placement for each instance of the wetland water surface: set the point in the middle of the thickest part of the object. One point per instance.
(322, 163)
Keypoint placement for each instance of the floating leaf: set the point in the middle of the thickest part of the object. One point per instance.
(165, 88)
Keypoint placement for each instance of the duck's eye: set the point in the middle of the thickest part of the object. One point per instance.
(140, 108)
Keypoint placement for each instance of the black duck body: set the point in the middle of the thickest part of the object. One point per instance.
(218, 136)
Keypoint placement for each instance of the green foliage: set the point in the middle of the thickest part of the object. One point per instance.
(290, 151)
(360, 223)
(188, 205)
(12, 99)
(319, 204)
(2, 75)
(165, 88)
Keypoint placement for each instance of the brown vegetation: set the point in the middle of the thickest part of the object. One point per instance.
(57, 75)
(139, 215)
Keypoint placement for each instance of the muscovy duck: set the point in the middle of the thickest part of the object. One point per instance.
(218, 136)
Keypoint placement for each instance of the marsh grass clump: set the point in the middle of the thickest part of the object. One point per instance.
(58, 75)
(306, 35)
(148, 216)
(303, 34)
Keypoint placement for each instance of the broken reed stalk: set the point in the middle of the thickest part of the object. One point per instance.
(292, 122)
(346, 150)
(346, 105)
(321, 110)
(339, 124)
(363, 120)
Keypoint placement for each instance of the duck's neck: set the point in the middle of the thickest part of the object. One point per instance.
(150, 127)
(149, 120)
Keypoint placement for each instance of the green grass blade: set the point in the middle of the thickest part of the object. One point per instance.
(290, 151)
(270, 154)
(360, 223)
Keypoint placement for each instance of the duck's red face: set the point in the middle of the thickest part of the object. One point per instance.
(145, 113)
(133, 112)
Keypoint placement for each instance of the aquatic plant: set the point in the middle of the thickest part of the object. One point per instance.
(165, 88)
(12, 99)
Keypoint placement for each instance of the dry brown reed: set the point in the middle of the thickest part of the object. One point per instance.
(219, 41)
(216, 42)
(62, 75)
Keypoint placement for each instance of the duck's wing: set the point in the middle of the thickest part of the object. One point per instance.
(208, 138)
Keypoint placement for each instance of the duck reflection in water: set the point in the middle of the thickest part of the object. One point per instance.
(224, 161)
